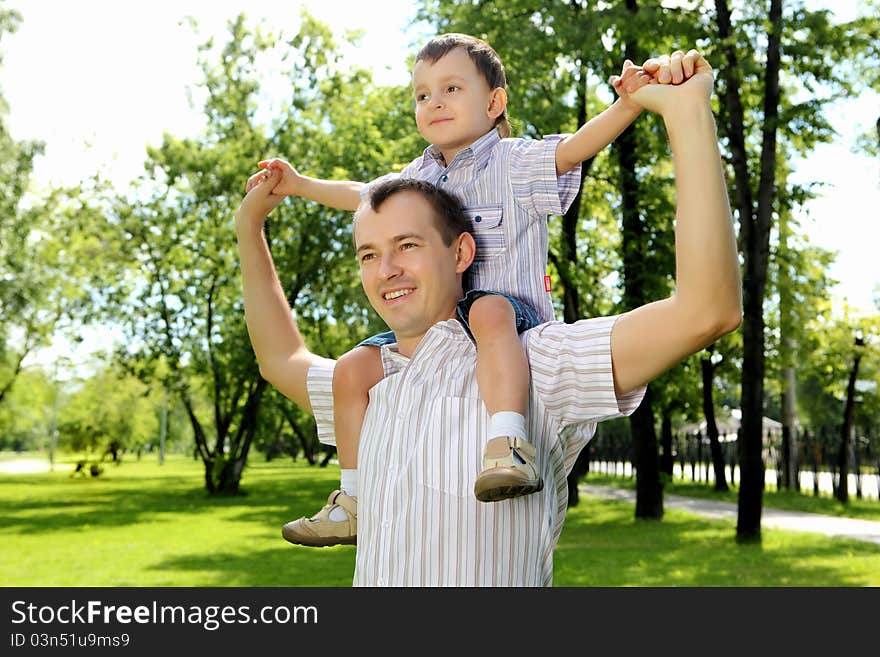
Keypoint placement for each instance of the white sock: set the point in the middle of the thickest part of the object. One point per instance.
(348, 483)
(508, 423)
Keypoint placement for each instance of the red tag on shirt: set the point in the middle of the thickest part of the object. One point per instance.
(547, 285)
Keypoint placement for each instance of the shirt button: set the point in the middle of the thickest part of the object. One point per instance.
(444, 178)
(478, 218)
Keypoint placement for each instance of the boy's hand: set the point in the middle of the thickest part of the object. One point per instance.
(287, 184)
(695, 82)
(631, 79)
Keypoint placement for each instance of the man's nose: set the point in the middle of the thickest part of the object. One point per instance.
(389, 268)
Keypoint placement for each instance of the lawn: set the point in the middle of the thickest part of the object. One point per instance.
(141, 524)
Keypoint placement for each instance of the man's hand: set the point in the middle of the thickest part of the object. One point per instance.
(260, 200)
(679, 79)
(289, 182)
(674, 68)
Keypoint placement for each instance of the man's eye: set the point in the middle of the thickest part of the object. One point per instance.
(408, 245)
(367, 257)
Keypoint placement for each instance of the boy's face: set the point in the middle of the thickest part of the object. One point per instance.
(412, 279)
(454, 104)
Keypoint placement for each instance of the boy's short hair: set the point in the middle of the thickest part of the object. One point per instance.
(449, 215)
(483, 56)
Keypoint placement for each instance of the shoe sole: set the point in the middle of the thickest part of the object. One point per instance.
(318, 541)
(497, 486)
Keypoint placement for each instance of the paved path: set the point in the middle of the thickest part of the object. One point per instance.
(861, 530)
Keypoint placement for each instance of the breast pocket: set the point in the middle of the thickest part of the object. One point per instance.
(488, 230)
(451, 455)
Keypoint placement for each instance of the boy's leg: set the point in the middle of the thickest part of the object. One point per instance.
(503, 379)
(336, 523)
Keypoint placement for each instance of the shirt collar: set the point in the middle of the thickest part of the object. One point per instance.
(451, 329)
(478, 152)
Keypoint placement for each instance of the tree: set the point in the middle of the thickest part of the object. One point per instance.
(50, 273)
(712, 360)
(22, 326)
(774, 96)
(182, 305)
(109, 413)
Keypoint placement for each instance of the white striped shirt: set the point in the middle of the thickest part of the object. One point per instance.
(419, 523)
(508, 188)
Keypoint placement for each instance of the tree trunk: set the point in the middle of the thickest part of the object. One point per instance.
(755, 235)
(842, 492)
(788, 349)
(789, 434)
(649, 488)
(579, 469)
(567, 262)
(666, 463)
(566, 265)
(708, 369)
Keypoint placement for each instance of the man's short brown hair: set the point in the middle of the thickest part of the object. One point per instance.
(449, 215)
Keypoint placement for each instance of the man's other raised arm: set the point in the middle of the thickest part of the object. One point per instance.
(281, 352)
(707, 302)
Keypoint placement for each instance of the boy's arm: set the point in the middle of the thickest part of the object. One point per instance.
(281, 352)
(340, 194)
(604, 128)
(707, 301)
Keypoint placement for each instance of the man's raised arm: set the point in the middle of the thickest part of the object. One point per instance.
(707, 302)
(281, 352)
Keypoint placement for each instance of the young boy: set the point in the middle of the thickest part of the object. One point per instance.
(509, 187)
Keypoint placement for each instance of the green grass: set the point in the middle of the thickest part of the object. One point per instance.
(140, 524)
(775, 499)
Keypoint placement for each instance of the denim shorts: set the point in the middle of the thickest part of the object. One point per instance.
(526, 317)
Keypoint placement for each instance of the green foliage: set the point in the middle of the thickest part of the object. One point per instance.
(824, 377)
(25, 414)
(111, 411)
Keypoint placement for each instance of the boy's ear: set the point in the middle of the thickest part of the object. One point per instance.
(466, 248)
(497, 102)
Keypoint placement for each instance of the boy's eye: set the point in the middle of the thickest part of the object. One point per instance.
(452, 88)
(421, 97)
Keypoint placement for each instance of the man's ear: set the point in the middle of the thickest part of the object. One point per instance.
(497, 103)
(465, 250)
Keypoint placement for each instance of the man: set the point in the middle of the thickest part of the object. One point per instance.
(418, 523)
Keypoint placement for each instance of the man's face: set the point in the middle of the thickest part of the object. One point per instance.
(411, 277)
(453, 102)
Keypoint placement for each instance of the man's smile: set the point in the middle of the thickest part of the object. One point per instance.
(397, 294)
